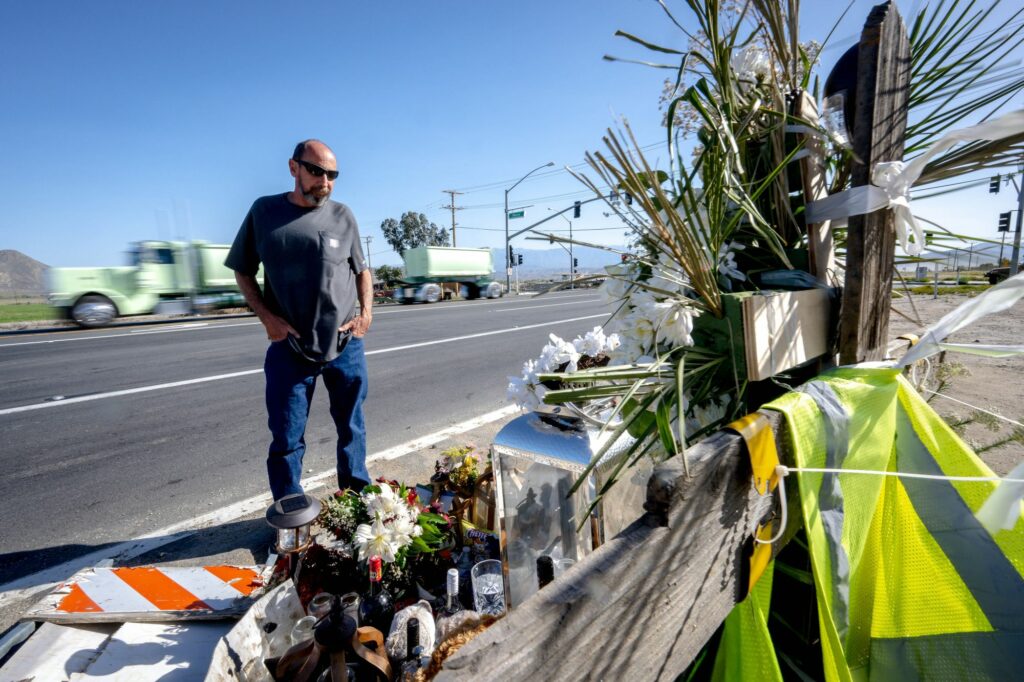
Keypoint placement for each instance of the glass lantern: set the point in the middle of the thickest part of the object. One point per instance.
(537, 458)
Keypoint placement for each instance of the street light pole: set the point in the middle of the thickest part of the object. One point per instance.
(508, 261)
(572, 260)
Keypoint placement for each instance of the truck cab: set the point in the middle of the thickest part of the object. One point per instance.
(161, 276)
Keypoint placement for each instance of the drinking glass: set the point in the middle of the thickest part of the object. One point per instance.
(488, 587)
(320, 605)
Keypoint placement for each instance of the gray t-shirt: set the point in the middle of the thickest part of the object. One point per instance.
(310, 258)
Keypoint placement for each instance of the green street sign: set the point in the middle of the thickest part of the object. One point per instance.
(515, 214)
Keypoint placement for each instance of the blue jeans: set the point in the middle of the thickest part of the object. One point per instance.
(290, 383)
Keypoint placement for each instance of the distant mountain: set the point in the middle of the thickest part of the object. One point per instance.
(552, 262)
(21, 274)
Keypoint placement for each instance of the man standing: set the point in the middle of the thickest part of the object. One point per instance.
(314, 272)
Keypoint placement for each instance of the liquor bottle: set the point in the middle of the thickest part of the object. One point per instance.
(451, 605)
(545, 570)
(376, 609)
(412, 649)
(464, 566)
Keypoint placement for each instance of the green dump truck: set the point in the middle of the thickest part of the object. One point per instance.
(429, 268)
(161, 277)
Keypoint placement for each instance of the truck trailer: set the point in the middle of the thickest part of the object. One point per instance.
(161, 277)
(429, 268)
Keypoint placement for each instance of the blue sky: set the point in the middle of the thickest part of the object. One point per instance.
(131, 120)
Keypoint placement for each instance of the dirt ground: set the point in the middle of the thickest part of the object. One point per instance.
(994, 384)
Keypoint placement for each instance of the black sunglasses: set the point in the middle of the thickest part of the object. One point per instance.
(316, 171)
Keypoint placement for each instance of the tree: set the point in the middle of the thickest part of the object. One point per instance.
(411, 231)
(388, 275)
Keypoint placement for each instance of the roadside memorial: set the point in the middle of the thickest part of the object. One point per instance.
(668, 460)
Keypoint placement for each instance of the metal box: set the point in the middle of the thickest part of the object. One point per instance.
(536, 458)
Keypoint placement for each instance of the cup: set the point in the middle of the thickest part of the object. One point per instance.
(488, 587)
(350, 606)
(563, 565)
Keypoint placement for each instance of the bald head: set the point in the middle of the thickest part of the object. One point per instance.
(311, 165)
(310, 145)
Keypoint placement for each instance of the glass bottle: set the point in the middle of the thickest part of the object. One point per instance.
(545, 570)
(451, 604)
(465, 585)
(377, 609)
(412, 649)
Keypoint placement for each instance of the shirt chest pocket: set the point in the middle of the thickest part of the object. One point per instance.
(331, 249)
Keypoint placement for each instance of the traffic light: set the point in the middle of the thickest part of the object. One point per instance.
(993, 185)
(575, 263)
(520, 259)
(576, 210)
(511, 256)
(1004, 222)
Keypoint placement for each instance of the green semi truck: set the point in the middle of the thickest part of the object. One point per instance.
(429, 268)
(161, 277)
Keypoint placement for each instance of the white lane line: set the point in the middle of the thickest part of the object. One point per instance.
(184, 325)
(127, 391)
(546, 305)
(27, 586)
(413, 308)
(192, 326)
(477, 335)
(136, 332)
(233, 375)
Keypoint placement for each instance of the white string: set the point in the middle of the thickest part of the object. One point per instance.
(979, 409)
(782, 471)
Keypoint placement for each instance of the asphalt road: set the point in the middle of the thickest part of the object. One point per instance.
(108, 435)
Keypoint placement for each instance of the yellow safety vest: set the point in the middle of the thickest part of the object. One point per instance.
(909, 584)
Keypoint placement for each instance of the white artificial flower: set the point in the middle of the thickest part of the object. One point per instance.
(518, 391)
(616, 285)
(711, 412)
(727, 260)
(375, 540)
(558, 353)
(611, 342)
(385, 503)
(592, 343)
(627, 352)
(674, 322)
(751, 64)
(403, 529)
(530, 372)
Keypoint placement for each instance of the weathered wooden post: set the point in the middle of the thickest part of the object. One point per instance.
(883, 87)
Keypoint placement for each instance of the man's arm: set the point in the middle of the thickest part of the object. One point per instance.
(276, 326)
(360, 324)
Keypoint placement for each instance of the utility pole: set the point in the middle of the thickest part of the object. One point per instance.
(454, 208)
(368, 239)
(1015, 259)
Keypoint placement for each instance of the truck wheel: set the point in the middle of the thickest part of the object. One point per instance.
(493, 290)
(93, 311)
(431, 293)
(470, 292)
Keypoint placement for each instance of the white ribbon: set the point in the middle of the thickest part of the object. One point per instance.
(892, 181)
(993, 300)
